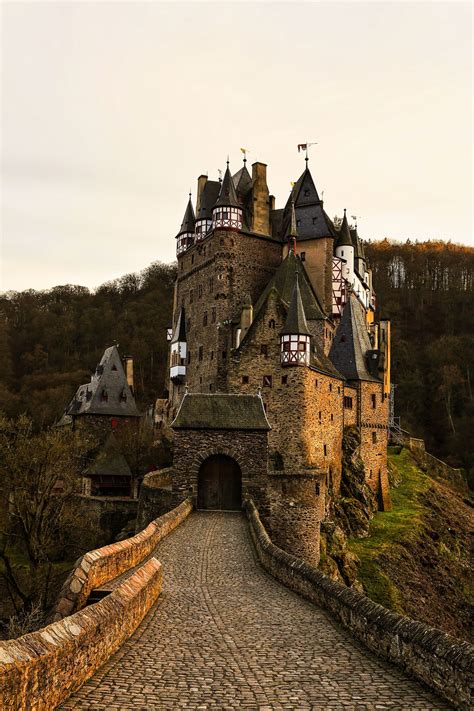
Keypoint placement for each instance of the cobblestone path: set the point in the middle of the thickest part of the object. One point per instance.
(225, 635)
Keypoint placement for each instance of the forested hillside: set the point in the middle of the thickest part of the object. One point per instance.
(427, 290)
(50, 341)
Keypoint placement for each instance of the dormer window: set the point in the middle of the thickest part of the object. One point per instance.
(306, 192)
(104, 395)
(114, 367)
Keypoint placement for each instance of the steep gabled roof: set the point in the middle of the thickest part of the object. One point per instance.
(209, 196)
(351, 343)
(242, 182)
(227, 196)
(189, 219)
(312, 221)
(107, 393)
(344, 237)
(179, 333)
(219, 411)
(296, 320)
(109, 461)
(283, 281)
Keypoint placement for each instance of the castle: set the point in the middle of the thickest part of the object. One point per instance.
(274, 350)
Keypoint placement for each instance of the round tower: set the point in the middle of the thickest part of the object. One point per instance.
(295, 337)
(344, 249)
(227, 213)
(186, 235)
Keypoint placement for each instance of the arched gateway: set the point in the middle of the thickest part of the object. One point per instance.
(219, 484)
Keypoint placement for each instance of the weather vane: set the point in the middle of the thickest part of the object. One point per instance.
(304, 147)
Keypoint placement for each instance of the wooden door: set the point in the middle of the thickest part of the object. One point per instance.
(220, 484)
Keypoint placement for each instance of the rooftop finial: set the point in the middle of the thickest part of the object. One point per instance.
(227, 161)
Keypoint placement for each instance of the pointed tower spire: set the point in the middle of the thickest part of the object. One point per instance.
(295, 336)
(292, 231)
(344, 238)
(227, 213)
(186, 234)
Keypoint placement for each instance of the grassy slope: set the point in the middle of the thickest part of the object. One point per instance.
(416, 558)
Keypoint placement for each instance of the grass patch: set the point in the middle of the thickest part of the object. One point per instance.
(391, 528)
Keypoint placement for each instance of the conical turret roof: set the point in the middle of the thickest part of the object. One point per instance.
(227, 196)
(291, 230)
(344, 238)
(189, 219)
(209, 196)
(296, 319)
(351, 343)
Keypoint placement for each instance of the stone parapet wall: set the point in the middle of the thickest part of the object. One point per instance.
(99, 566)
(436, 658)
(156, 497)
(435, 466)
(40, 670)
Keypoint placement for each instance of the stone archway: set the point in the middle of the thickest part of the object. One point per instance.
(219, 484)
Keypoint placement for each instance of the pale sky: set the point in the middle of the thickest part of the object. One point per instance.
(111, 110)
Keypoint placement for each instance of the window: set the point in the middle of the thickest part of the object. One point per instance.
(245, 379)
(267, 381)
(189, 357)
(213, 314)
(286, 346)
(225, 215)
(204, 319)
(210, 387)
(271, 323)
(224, 355)
(347, 402)
(316, 383)
(264, 350)
(374, 437)
(284, 379)
(317, 489)
(319, 415)
(301, 346)
(325, 450)
(104, 395)
(114, 367)
(303, 256)
(338, 390)
(192, 259)
(306, 192)
(200, 353)
(330, 387)
(374, 401)
(191, 296)
(315, 219)
(212, 355)
(298, 223)
(332, 417)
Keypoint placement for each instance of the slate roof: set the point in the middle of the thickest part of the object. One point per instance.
(296, 320)
(242, 181)
(108, 380)
(219, 411)
(313, 221)
(351, 343)
(344, 237)
(189, 219)
(284, 280)
(109, 461)
(227, 196)
(179, 333)
(209, 196)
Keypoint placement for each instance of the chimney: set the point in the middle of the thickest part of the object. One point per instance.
(202, 180)
(384, 346)
(128, 362)
(261, 199)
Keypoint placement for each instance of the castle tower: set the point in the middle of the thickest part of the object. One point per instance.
(179, 350)
(227, 212)
(295, 337)
(344, 249)
(186, 234)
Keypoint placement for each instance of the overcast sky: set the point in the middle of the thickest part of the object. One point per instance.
(110, 111)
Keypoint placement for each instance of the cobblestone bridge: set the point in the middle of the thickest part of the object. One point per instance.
(225, 635)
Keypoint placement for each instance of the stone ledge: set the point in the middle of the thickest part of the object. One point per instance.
(99, 566)
(40, 670)
(437, 659)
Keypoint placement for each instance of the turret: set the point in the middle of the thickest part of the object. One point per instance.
(295, 338)
(186, 234)
(344, 249)
(227, 212)
(208, 192)
(179, 349)
(291, 234)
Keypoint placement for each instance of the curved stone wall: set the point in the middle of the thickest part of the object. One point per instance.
(97, 567)
(40, 670)
(439, 660)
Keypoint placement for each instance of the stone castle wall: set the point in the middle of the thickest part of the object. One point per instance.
(432, 656)
(104, 564)
(40, 670)
(374, 439)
